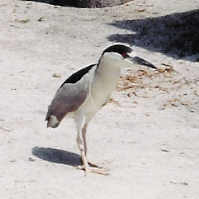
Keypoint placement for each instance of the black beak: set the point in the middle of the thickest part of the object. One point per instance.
(140, 61)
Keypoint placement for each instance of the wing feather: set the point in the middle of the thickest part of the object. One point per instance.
(69, 97)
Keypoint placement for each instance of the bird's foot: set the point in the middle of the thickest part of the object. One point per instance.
(93, 169)
(91, 164)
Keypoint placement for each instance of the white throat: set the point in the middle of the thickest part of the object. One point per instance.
(109, 68)
(106, 77)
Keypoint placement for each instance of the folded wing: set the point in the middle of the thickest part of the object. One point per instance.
(70, 96)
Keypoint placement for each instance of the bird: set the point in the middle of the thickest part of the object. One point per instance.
(86, 91)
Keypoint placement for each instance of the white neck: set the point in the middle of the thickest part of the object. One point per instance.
(106, 77)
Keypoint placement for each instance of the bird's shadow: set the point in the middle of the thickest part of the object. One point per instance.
(57, 156)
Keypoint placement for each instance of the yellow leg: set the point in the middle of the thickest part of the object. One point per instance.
(81, 142)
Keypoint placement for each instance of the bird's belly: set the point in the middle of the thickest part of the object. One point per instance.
(100, 92)
(90, 107)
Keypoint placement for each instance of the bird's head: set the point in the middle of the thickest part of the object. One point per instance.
(122, 53)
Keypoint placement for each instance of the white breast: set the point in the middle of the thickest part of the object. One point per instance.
(104, 81)
(106, 78)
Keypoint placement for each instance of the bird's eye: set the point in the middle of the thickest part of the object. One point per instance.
(125, 55)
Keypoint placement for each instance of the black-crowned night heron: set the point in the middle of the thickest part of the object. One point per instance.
(88, 90)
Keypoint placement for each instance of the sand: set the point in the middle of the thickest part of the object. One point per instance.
(148, 138)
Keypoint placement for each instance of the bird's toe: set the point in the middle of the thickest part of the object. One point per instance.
(93, 169)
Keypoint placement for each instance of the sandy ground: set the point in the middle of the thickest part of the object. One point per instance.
(148, 140)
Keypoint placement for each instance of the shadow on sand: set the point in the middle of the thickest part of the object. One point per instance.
(57, 156)
(67, 3)
(175, 35)
(83, 3)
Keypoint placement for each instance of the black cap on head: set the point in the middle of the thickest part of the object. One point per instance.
(118, 48)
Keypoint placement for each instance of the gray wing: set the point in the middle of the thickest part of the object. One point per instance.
(69, 97)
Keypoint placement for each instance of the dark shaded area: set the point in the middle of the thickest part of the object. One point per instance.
(176, 35)
(67, 3)
(57, 156)
(83, 3)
